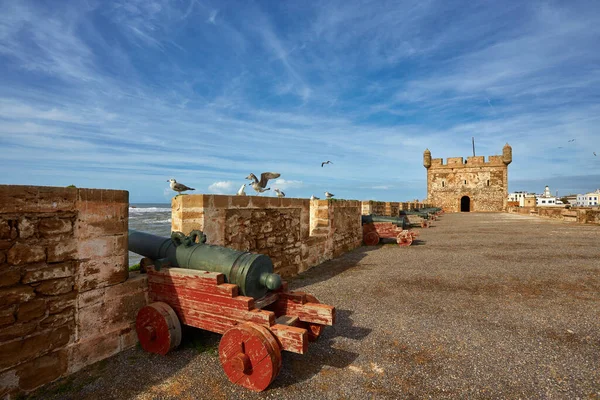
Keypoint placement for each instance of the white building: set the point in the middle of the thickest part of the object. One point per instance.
(589, 199)
(520, 197)
(546, 199)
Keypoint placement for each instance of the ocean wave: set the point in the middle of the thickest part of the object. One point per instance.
(135, 210)
(154, 221)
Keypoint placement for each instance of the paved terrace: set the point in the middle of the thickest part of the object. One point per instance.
(486, 306)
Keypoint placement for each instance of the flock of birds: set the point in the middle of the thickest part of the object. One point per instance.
(573, 140)
(259, 186)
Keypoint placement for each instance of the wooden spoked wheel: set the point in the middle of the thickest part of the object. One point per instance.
(424, 224)
(158, 328)
(313, 330)
(250, 356)
(371, 238)
(404, 238)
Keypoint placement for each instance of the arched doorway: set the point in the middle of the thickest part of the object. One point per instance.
(465, 204)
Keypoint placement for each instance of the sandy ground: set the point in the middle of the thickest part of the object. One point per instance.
(484, 306)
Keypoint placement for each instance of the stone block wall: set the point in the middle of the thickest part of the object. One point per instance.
(582, 215)
(389, 209)
(295, 233)
(65, 297)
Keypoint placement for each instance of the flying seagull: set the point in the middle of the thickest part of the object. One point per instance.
(572, 140)
(264, 178)
(179, 187)
(595, 153)
(241, 191)
(280, 194)
(313, 197)
(325, 162)
(329, 195)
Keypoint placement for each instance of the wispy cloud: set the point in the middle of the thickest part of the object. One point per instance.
(224, 187)
(130, 93)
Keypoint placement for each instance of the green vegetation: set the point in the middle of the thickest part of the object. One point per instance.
(72, 186)
(134, 267)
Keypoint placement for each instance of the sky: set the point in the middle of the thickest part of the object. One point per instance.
(128, 94)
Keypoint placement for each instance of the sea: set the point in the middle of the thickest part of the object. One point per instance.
(152, 218)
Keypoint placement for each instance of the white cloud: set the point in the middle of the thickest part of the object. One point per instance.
(222, 187)
(284, 184)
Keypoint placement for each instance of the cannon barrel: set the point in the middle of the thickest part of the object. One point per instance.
(421, 214)
(398, 221)
(252, 272)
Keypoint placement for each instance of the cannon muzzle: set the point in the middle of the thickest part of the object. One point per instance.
(252, 272)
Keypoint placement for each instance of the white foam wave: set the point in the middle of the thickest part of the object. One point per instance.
(154, 221)
(135, 210)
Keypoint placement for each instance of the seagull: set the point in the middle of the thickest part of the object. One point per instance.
(594, 153)
(572, 140)
(179, 187)
(280, 194)
(264, 178)
(329, 195)
(241, 191)
(325, 162)
(313, 197)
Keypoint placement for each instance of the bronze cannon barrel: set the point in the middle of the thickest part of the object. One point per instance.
(401, 222)
(252, 272)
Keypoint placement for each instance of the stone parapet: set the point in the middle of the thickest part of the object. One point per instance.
(60, 248)
(296, 234)
(582, 215)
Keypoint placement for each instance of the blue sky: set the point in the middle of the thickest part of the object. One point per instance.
(127, 94)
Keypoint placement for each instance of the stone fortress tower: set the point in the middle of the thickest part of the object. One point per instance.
(469, 185)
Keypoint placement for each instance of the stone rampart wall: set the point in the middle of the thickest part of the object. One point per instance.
(296, 234)
(389, 209)
(582, 215)
(65, 297)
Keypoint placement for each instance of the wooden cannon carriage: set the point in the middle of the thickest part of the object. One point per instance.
(258, 317)
(376, 228)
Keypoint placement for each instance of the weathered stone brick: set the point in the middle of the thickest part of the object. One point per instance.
(6, 244)
(7, 315)
(18, 351)
(31, 310)
(89, 351)
(57, 304)
(54, 226)
(60, 319)
(5, 229)
(18, 199)
(22, 253)
(101, 272)
(9, 276)
(15, 294)
(27, 227)
(102, 195)
(62, 251)
(55, 287)
(43, 272)
(55, 199)
(42, 370)
(96, 247)
(15, 331)
(2, 257)
(128, 337)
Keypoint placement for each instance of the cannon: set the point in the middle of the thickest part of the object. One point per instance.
(229, 292)
(418, 217)
(376, 227)
(253, 273)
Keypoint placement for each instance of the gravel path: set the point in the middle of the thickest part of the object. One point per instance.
(485, 306)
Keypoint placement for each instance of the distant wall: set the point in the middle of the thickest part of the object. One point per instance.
(65, 297)
(296, 234)
(389, 209)
(582, 215)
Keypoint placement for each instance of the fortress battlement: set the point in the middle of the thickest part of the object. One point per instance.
(470, 161)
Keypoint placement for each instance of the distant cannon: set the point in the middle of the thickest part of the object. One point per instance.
(230, 292)
(377, 227)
